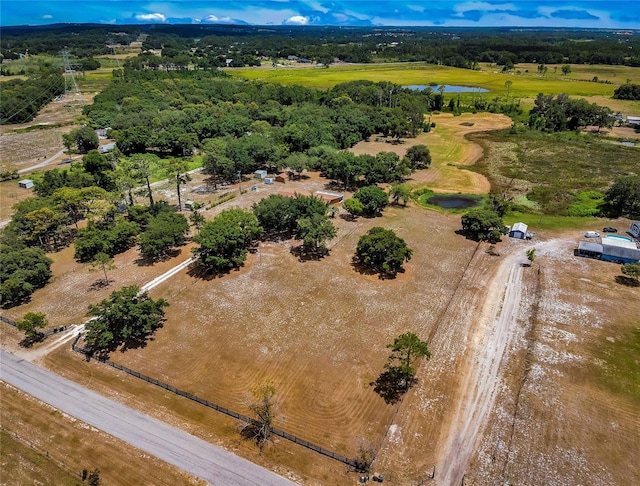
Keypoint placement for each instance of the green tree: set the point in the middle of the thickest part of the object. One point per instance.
(419, 157)
(30, 323)
(382, 251)
(623, 198)
(22, 271)
(164, 232)
(531, 255)
(398, 192)
(507, 84)
(144, 166)
(103, 262)
(125, 320)
(373, 199)
(399, 373)
(216, 161)
(566, 69)
(224, 241)
(86, 139)
(276, 214)
(314, 232)
(632, 270)
(405, 350)
(297, 162)
(483, 224)
(353, 206)
(197, 219)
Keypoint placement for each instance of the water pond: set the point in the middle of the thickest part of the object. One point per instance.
(448, 88)
(453, 202)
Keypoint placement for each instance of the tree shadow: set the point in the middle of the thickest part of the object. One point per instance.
(306, 255)
(364, 269)
(29, 341)
(627, 281)
(392, 384)
(100, 284)
(150, 261)
(206, 274)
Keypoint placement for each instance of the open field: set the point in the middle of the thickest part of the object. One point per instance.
(551, 169)
(533, 374)
(53, 448)
(451, 152)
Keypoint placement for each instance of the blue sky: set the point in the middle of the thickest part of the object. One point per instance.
(623, 14)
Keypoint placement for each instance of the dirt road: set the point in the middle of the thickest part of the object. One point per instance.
(481, 382)
(168, 443)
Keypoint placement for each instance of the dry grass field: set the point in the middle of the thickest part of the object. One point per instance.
(533, 376)
(450, 151)
(53, 449)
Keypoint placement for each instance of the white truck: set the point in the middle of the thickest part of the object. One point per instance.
(635, 229)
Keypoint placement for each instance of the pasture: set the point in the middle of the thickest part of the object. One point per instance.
(525, 85)
(318, 330)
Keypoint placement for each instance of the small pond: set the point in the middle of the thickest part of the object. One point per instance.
(453, 202)
(448, 88)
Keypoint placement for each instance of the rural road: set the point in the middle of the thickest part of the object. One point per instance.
(168, 443)
(482, 381)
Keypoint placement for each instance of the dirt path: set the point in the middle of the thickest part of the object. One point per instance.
(499, 324)
(483, 373)
(31, 354)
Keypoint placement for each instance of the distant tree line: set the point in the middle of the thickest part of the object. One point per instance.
(212, 45)
(22, 99)
(81, 41)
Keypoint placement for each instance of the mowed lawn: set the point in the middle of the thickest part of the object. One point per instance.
(316, 330)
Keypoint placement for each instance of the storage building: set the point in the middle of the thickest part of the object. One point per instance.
(25, 183)
(519, 230)
(620, 249)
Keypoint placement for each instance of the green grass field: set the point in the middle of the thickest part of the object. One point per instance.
(523, 85)
(555, 169)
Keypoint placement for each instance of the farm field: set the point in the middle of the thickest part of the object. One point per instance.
(524, 85)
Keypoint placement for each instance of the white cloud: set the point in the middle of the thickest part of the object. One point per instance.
(297, 20)
(211, 18)
(464, 7)
(312, 4)
(47, 16)
(154, 17)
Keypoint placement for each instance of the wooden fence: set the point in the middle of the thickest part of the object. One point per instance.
(215, 406)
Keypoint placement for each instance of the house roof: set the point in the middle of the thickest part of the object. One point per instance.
(589, 246)
(519, 227)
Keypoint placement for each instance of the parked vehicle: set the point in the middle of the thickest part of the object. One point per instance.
(592, 234)
(609, 229)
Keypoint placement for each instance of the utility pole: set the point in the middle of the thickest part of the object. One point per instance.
(70, 84)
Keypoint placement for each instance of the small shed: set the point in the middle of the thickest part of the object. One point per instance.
(260, 174)
(330, 197)
(282, 177)
(25, 183)
(268, 180)
(107, 147)
(518, 230)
